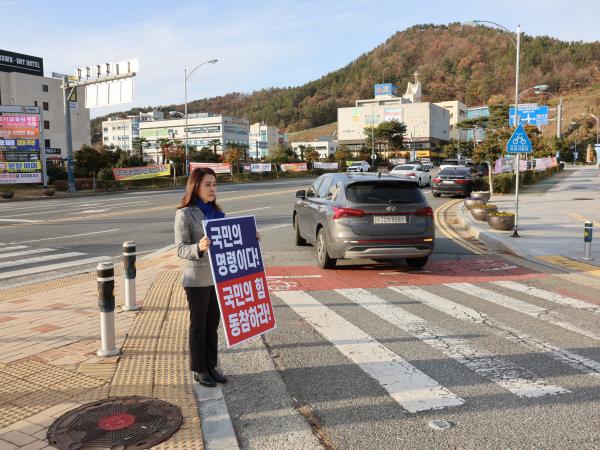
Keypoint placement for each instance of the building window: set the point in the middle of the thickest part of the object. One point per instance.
(45, 106)
(46, 124)
(35, 103)
(47, 143)
(44, 88)
(105, 130)
(106, 138)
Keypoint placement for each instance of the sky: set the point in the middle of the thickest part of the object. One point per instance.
(258, 44)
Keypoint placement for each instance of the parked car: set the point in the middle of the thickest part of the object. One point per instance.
(415, 172)
(427, 164)
(456, 180)
(348, 216)
(453, 163)
(361, 166)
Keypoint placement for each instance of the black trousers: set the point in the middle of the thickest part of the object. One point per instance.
(204, 322)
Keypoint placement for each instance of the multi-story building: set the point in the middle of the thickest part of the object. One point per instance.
(458, 113)
(22, 83)
(263, 140)
(325, 146)
(204, 130)
(122, 132)
(478, 134)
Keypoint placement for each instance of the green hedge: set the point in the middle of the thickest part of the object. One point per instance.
(505, 183)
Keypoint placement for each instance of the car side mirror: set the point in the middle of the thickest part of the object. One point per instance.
(301, 194)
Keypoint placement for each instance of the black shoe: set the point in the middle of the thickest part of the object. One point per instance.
(205, 379)
(217, 376)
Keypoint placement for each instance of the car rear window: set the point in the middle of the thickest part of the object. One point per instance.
(411, 167)
(454, 171)
(383, 191)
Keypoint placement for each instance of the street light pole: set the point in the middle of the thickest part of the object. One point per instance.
(186, 77)
(517, 162)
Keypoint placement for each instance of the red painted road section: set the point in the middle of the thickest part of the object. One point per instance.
(478, 269)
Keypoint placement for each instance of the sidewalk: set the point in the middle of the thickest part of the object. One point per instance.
(551, 218)
(49, 337)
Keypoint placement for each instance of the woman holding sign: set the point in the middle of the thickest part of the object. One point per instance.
(198, 204)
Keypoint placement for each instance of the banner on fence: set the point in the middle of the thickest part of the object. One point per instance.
(325, 165)
(294, 167)
(217, 167)
(504, 165)
(20, 166)
(16, 178)
(240, 280)
(138, 173)
(262, 167)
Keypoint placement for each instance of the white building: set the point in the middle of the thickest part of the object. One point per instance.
(26, 86)
(122, 132)
(203, 129)
(325, 146)
(458, 113)
(263, 140)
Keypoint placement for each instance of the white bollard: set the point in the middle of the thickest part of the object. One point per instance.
(129, 273)
(105, 273)
(587, 239)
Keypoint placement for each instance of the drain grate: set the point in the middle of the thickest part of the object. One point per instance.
(119, 422)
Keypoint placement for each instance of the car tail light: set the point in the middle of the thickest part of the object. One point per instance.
(424, 212)
(437, 180)
(461, 181)
(411, 174)
(346, 212)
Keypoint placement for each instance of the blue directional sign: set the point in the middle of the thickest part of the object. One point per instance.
(519, 142)
(529, 114)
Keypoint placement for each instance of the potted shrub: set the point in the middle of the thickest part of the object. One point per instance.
(48, 191)
(7, 194)
(484, 196)
(479, 211)
(470, 202)
(501, 220)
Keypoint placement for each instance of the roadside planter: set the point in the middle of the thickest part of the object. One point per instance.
(7, 194)
(480, 211)
(484, 196)
(49, 192)
(501, 220)
(470, 202)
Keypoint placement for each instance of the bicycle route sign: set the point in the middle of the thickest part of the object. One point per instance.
(519, 142)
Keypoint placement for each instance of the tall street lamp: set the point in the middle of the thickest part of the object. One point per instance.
(515, 38)
(186, 77)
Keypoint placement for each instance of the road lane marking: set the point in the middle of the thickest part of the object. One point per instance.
(410, 387)
(275, 227)
(51, 267)
(20, 220)
(16, 247)
(547, 295)
(519, 306)
(66, 236)
(517, 337)
(22, 262)
(88, 211)
(76, 209)
(248, 210)
(509, 376)
(26, 252)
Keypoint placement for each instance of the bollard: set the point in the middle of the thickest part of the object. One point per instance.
(587, 239)
(129, 273)
(105, 273)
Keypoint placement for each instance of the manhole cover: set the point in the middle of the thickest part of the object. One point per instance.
(583, 198)
(119, 422)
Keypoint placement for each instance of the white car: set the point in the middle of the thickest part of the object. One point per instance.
(415, 172)
(361, 166)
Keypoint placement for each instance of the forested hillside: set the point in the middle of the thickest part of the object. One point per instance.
(471, 64)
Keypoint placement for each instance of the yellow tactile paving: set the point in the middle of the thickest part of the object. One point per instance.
(568, 263)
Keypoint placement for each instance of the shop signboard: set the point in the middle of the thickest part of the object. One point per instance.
(17, 178)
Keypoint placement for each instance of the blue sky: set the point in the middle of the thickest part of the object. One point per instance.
(259, 44)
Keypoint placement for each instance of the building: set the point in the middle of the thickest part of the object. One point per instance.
(263, 140)
(324, 145)
(458, 113)
(122, 132)
(472, 113)
(22, 82)
(203, 130)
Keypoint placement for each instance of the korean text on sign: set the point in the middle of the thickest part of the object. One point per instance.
(240, 279)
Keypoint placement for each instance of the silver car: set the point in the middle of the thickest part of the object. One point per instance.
(350, 216)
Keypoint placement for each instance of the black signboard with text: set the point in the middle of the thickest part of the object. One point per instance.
(18, 62)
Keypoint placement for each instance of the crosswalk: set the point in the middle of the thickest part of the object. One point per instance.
(22, 260)
(533, 323)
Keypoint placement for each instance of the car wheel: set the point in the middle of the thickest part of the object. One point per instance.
(437, 194)
(417, 263)
(428, 182)
(299, 240)
(325, 262)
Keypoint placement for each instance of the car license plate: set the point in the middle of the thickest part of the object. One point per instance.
(389, 219)
(447, 182)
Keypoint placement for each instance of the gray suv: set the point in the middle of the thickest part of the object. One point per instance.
(378, 217)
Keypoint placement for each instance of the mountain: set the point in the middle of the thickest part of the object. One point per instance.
(470, 64)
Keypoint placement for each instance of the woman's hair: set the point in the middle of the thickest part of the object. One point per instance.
(193, 186)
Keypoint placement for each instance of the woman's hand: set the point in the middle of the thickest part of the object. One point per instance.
(204, 244)
(258, 236)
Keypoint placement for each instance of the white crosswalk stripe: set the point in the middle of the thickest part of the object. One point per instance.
(499, 370)
(410, 387)
(514, 304)
(22, 262)
(14, 247)
(26, 252)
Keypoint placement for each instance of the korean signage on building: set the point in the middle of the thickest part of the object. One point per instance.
(393, 114)
(20, 147)
(385, 89)
(18, 62)
(240, 279)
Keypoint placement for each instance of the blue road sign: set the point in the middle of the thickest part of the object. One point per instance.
(519, 142)
(529, 114)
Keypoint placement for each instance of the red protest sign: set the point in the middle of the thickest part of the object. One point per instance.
(240, 280)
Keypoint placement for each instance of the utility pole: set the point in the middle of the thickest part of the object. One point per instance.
(67, 91)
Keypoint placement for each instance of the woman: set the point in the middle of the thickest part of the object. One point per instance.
(198, 204)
